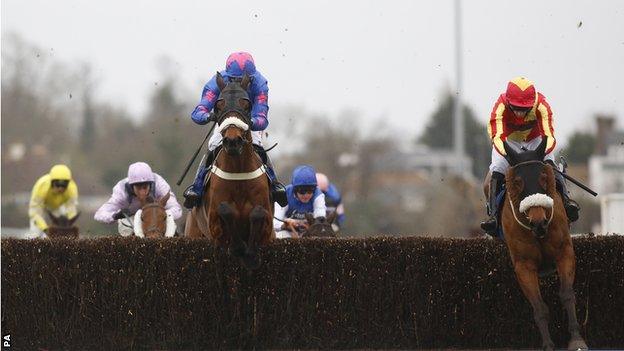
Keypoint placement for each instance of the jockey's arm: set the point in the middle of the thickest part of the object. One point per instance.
(280, 216)
(172, 207)
(320, 209)
(36, 211)
(72, 202)
(260, 108)
(545, 118)
(116, 202)
(496, 127)
(340, 214)
(209, 97)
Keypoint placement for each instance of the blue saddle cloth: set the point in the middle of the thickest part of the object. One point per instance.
(500, 201)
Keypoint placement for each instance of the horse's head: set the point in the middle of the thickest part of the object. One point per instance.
(152, 221)
(531, 183)
(62, 226)
(233, 110)
(320, 226)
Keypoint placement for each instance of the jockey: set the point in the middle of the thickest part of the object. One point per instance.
(333, 200)
(130, 192)
(522, 117)
(55, 192)
(303, 197)
(237, 65)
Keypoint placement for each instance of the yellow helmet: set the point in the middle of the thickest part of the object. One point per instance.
(60, 172)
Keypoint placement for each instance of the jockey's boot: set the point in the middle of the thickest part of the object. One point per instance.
(278, 190)
(193, 194)
(572, 207)
(496, 185)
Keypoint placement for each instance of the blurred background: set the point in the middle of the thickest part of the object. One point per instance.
(369, 93)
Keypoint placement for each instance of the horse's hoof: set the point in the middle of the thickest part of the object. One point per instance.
(578, 344)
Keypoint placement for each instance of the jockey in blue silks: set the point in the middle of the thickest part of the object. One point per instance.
(303, 196)
(237, 65)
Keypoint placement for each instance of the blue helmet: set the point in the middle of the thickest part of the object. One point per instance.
(239, 63)
(304, 175)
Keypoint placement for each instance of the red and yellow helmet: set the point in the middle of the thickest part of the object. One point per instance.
(521, 93)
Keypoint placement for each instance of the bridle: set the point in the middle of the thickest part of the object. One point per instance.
(513, 207)
(153, 207)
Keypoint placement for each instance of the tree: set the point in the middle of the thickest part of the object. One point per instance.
(438, 134)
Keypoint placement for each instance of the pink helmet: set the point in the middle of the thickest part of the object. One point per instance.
(140, 172)
(239, 63)
(322, 181)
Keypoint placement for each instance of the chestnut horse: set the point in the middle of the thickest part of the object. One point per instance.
(236, 210)
(537, 234)
(62, 227)
(151, 221)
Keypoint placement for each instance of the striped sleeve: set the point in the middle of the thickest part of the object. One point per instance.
(546, 123)
(495, 127)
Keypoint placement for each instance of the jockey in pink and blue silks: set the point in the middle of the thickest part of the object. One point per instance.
(128, 194)
(237, 65)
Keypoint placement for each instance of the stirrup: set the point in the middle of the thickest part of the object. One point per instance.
(572, 210)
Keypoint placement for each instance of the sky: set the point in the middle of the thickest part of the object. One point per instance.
(387, 61)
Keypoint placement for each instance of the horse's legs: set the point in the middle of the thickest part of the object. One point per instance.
(526, 273)
(228, 214)
(566, 266)
(257, 219)
(191, 230)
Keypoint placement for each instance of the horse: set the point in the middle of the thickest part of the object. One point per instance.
(152, 221)
(319, 227)
(62, 226)
(536, 232)
(236, 210)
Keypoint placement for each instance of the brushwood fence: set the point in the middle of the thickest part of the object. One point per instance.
(124, 293)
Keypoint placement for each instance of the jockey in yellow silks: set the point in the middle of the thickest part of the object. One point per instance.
(55, 192)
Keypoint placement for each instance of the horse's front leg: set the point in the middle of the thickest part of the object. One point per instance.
(227, 215)
(526, 274)
(566, 266)
(258, 221)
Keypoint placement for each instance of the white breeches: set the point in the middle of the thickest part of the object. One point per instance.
(499, 163)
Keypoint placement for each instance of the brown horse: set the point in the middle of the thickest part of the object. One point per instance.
(151, 222)
(62, 226)
(319, 227)
(537, 234)
(236, 210)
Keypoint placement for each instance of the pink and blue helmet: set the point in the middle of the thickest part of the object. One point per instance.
(140, 172)
(239, 63)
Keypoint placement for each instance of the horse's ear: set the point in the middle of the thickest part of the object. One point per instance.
(310, 218)
(220, 81)
(541, 148)
(512, 155)
(163, 200)
(245, 82)
(331, 217)
(72, 220)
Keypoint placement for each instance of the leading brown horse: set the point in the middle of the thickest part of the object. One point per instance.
(537, 234)
(236, 210)
(63, 227)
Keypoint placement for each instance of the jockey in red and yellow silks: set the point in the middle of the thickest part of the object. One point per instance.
(521, 117)
(506, 124)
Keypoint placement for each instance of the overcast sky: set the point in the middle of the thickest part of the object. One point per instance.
(381, 58)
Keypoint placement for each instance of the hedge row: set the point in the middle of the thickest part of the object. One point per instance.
(121, 293)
